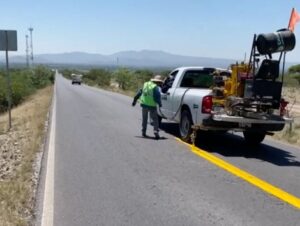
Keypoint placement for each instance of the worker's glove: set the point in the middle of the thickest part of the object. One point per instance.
(160, 105)
(133, 104)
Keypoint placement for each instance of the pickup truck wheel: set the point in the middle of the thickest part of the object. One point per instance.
(185, 126)
(254, 138)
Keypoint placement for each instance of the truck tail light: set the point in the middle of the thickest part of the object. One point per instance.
(207, 104)
(283, 105)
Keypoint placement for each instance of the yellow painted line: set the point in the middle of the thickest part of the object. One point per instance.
(265, 186)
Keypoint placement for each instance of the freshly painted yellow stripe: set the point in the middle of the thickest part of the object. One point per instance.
(270, 189)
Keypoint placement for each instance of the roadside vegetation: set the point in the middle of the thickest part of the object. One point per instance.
(24, 82)
(122, 80)
(19, 146)
(291, 92)
(293, 77)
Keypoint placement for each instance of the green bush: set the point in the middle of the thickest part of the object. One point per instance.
(124, 78)
(293, 76)
(297, 78)
(21, 86)
(99, 77)
(3, 101)
(42, 76)
(290, 81)
(23, 83)
(294, 69)
(139, 77)
(68, 72)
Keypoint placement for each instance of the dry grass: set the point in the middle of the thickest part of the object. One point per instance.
(291, 133)
(18, 150)
(292, 94)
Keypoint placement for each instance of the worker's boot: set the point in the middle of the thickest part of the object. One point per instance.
(156, 134)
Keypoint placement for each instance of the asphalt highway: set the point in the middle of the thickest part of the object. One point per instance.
(106, 173)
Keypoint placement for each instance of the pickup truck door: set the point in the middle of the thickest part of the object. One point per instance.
(166, 101)
(171, 101)
(167, 95)
(177, 99)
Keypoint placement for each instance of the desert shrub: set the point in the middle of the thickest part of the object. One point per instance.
(124, 77)
(290, 81)
(42, 76)
(139, 77)
(23, 83)
(132, 79)
(294, 69)
(293, 76)
(21, 86)
(3, 101)
(68, 72)
(297, 78)
(100, 77)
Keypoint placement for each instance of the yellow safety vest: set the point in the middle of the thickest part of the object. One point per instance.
(147, 94)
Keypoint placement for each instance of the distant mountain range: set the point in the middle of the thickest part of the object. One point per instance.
(143, 58)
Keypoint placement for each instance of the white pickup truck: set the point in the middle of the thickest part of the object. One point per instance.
(187, 98)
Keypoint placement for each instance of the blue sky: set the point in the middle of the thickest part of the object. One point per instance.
(213, 28)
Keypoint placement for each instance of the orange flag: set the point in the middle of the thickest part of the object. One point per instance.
(295, 17)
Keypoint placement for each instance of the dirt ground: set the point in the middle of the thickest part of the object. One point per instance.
(19, 149)
(292, 95)
(291, 132)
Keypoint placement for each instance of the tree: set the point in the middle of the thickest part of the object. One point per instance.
(297, 77)
(139, 77)
(67, 73)
(42, 76)
(124, 78)
(100, 76)
(294, 69)
(294, 74)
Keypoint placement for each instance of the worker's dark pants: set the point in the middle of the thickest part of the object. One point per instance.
(153, 115)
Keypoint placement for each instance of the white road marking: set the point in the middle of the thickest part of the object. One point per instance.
(48, 204)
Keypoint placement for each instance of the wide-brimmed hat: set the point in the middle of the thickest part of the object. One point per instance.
(157, 78)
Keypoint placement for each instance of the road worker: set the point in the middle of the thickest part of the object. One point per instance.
(149, 97)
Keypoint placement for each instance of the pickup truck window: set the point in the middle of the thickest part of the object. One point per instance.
(168, 82)
(174, 73)
(197, 79)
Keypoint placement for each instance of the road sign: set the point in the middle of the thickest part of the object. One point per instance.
(8, 40)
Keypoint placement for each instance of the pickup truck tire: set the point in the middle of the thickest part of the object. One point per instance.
(185, 126)
(254, 137)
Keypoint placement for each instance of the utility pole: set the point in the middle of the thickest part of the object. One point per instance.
(27, 52)
(31, 46)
